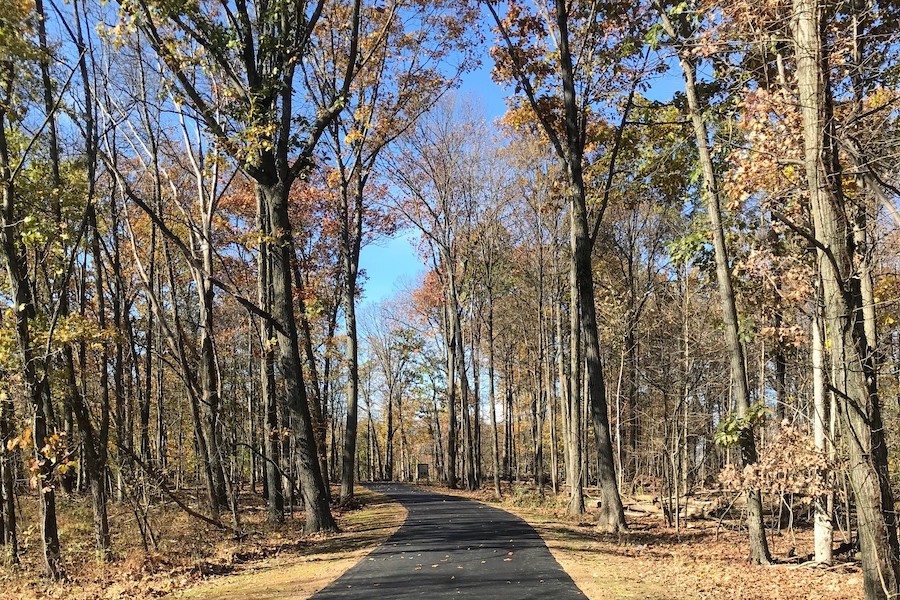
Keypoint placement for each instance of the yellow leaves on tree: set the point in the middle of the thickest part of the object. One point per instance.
(766, 165)
(54, 451)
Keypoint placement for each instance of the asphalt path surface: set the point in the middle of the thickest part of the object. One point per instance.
(450, 547)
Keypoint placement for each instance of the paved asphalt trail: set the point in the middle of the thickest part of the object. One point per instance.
(449, 547)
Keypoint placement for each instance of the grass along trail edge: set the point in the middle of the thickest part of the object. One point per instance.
(323, 559)
(653, 562)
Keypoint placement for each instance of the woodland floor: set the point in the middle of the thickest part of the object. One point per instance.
(195, 560)
(651, 562)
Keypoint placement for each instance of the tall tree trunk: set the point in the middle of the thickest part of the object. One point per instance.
(96, 451)
(268, 396)
(823, 528)
(312, 483)
(34, 376)
(629, 426)
(122, 435)
(55, 181)
(574, 473)
(94, 458)
(389, 437)
(438, 438)
(200, 441)
(861, 237)
(10, 539)
(538, 399)
(162, 440)
(509, 442)
(209, 377)
(552, 403)
(852, 357)
(351, 267)
(450, 336)
(463, 387)
(476, 402)
(95, 442)
(145, 451)
(319, 391)
(612, 515)
(492, 398)
(780, 365)
(153, 276)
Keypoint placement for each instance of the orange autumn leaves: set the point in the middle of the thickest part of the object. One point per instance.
(790, 464)
(766, 164)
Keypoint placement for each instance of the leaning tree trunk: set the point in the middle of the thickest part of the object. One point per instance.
(759, 548)
(95, 440)
(852, 358)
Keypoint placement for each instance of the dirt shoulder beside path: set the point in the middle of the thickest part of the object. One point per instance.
(302, 572)
(653, 562)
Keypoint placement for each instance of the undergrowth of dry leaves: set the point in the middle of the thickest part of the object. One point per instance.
(188, 551)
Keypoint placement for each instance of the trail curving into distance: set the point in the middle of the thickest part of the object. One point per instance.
(450, 547)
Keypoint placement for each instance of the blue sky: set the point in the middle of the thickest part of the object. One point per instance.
(392, 263)
(389, 264)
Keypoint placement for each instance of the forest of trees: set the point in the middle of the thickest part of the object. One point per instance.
(671, 266)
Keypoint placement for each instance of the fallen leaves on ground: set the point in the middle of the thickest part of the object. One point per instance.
(198, 558)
